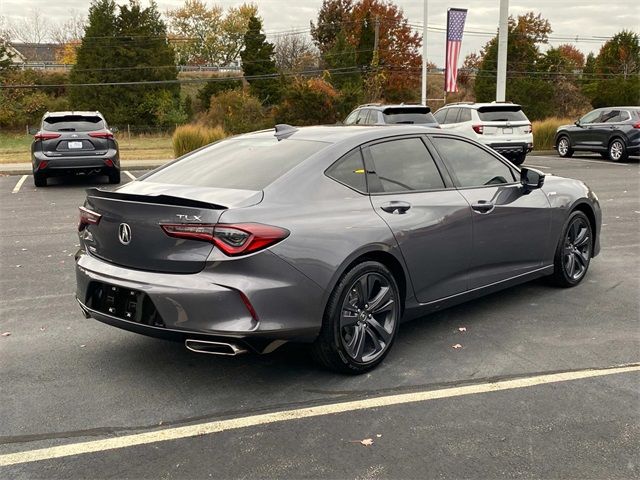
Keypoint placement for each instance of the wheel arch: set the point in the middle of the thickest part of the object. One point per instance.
(559, 135)
(587, 209)
(616, 136)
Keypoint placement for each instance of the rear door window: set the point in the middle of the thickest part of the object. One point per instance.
(239, 163)
(501, 114)
(470, 164)
(349, 170)
(73, 123)
(452, 115)
(404, 165)
(465, 115)
(363, 115)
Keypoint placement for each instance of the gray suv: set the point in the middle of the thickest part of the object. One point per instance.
(379, 114)
(74, 142)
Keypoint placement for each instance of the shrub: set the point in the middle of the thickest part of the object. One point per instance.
(308, 102)
(544, 132)
(187, 138)
(237, 112)
(216, 87)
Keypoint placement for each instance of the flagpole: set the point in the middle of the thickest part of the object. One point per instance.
(503, 37)
(424, 54)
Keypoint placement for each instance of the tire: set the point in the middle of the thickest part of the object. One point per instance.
(617, 151)
(574, 250)
(114, 177)
(39, 180)
(519, 159)
(564, 147)
(357, 334)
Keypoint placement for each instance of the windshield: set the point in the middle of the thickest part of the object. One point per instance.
(238, 163)
(502, 114)
(409, 115)
(73, 123)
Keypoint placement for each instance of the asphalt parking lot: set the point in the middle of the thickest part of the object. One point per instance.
(530, 393)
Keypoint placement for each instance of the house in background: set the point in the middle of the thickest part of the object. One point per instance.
(36, 55)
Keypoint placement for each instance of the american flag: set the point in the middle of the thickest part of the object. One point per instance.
(455, 28)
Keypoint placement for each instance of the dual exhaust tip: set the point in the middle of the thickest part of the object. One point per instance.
(214, 348)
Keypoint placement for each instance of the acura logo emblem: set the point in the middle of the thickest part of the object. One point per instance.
(124, 233)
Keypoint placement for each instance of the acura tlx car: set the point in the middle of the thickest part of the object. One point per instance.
(324, 235)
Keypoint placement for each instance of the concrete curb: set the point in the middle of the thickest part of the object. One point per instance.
(542, 153)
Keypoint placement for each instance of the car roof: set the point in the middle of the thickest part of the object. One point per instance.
(480, 105)
(72, 112)
(338, 133)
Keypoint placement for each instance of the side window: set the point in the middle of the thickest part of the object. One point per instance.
(614, 116)
(363, 115)
(350, 171)
(452, 115)
(591, 117)
(472, 166)
(465, 115)
(351, 119)
(441, 115)
(373, 117)
(404, 165)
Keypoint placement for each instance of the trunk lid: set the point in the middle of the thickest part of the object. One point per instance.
(74, 144)
(142, 207)
(504, 120)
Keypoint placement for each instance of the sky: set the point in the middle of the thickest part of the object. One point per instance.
(572, 21)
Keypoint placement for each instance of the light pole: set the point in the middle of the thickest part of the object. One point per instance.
(503, 37)
(424, 54)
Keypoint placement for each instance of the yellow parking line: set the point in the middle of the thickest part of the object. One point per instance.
(16, 189)
(176, 433)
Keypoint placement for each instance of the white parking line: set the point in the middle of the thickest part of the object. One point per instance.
(188, 431)
(128, 174)
(16, 189)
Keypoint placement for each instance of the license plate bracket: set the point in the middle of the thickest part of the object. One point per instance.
(507, 131)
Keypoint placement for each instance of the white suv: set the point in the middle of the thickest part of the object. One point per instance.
(501, 126)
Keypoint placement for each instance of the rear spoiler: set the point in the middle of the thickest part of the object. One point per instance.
(500, 108)
(161, 199)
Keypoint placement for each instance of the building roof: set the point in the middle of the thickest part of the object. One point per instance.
(37, 52)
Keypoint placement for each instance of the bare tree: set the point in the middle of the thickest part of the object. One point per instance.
(32, 29)
(70, 30)
(294, 53)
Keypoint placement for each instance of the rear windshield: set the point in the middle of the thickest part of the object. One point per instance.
(502, 114)
(239, 163)
(73, 123)
(409, 115)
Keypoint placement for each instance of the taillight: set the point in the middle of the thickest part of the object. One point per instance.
(101, 134)
(46, 136)
(232, 239)
(88, 217)
(108, 162)
(636, 125)
(528, 129)
(42, 164)
(479, 129)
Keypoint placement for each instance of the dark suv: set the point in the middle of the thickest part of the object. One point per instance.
(379, 114)
(612, 132)
(74, 142)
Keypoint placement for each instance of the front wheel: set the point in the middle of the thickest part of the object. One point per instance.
(361, 320)
(564, 147)
(573, 253)
(618, 151)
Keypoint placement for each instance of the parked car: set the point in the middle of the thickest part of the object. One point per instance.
(379, 114)
(501, 126)
(614, 133)
(74, 142)
(327, 235)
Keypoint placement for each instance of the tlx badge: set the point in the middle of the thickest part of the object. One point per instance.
(189, 218)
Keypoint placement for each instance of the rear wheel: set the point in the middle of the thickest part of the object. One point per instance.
(564, 147)
(519, 159)
(573, 253)
(618, 151)
(114, 177)
(39, 180)
(361, 320)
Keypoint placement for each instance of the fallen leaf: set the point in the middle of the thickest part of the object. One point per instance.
(462, 329)
(42, 329)
(82, 346)
(367, 442)
(18, 266)
(378, 435)
(6, 334)
(457, 345)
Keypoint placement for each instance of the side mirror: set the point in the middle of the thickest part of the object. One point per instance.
(577, 123)
(531, 178)
(33, 130)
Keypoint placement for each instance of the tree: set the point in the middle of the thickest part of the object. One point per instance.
(205, 35)
(258, 64)
(340, 61)
(68, 35)
(334, 16)
(215, 87)
(308, 102)
(136, 41)
(30, 29)
(5, 56)
(294, 53)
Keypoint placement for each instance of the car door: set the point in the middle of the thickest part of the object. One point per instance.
(613, 124)
(511, 225)
(429, 218)
(581, 137)
(451, 119)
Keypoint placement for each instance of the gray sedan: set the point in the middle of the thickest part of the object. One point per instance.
(325, 235)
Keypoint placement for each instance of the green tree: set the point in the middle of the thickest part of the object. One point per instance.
(366, 43)
(258, 64)
(334, 17)
(136, 41)
(341, 62)
(214, 87)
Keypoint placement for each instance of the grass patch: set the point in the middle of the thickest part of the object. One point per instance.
(16, 148)
(191, 137)
(544, 132)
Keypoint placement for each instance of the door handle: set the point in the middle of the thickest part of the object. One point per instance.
(483, 206)
(396, 207)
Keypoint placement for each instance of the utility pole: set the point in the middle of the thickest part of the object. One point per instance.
(503, 38)
(424, 53)
(376, 39)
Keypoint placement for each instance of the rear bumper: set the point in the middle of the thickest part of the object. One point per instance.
(75, 163)
(511, 148)
(209, 305)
